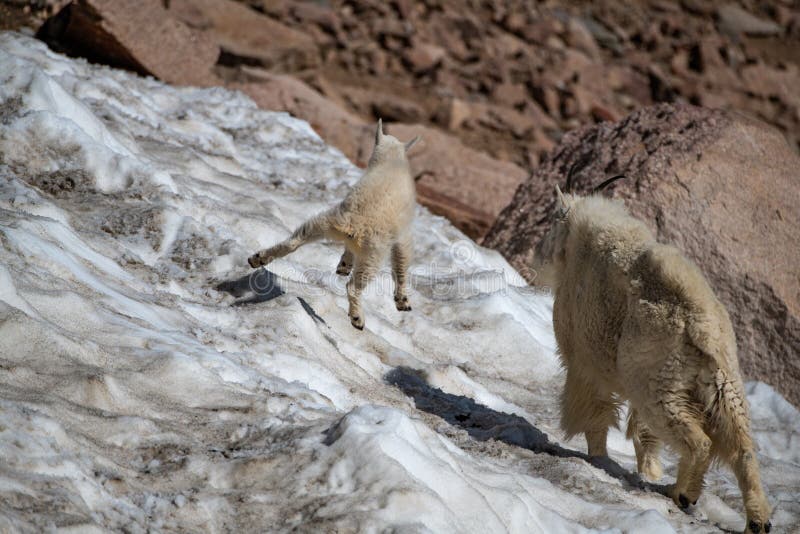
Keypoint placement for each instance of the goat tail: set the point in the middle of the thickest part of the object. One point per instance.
(729, 413)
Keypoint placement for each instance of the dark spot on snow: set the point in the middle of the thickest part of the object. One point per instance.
(192, 252)
(128, 221)
(310, 311)
(62, 182)
(10, 108)
(260, 285)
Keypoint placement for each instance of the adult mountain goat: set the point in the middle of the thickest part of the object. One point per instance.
(372, 221)
(636, 321)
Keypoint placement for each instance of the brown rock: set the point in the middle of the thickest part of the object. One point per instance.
(541, 30)
(248, 37)
(444, 165)
(735, 20)
(391, 107)
(520, 124)
(602, 35)
(322, 15)
(579, 37)
(500, 118)
(510, 94)
(274, 8)
(454, 114)
(602, 113)
(721, 187)
(469, 219)
(767, 82)
(424, 57)
(547, 96)
(137, 35)
(516, 21)
(451, 40)
(679, 64)
(575, 63)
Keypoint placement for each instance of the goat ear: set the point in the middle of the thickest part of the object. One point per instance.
(562, 204)
(412, 143)
(379, 132)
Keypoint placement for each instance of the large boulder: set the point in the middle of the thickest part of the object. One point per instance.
(246, 36)
(723, 188)
(137, 35)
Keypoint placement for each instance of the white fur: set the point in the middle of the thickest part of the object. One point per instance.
(373, 221)
(636, 321)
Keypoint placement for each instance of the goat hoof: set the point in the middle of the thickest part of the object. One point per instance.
(401, 303)
(756, 527)
(683, 502)
(357, 322)
(253, 261)
(694, 502)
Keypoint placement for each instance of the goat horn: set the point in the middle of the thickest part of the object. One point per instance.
(570, 173)
(607, 183)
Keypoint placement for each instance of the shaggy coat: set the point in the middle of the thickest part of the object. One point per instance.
(636, 321)
(373, 221)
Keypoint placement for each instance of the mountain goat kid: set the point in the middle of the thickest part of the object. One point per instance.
(636, 321)
(373, 220)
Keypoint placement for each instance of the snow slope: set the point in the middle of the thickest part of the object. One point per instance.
(149, 382)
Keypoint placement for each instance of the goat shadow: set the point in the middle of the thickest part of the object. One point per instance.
(483, 423)
(259, 286)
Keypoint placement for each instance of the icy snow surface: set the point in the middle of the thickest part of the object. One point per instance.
(147, 382)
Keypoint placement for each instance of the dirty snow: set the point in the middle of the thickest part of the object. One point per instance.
(149, 382)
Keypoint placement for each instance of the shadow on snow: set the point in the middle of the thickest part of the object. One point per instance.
(483, 423)
(260, 286)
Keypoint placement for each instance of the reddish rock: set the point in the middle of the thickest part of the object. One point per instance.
(424, 57)
(547, 96)
(510, 94)
(735, 20)
(579, 37)
(769, 82)
(454, 114)
(444, 165)
(469, 219)
(396, 109)
(574, 63)
(248, 37)
(445, 34)
(515, 21)
(601, 113)
(520, 125)
(721, 187)
(318, 14)
(137, 35)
